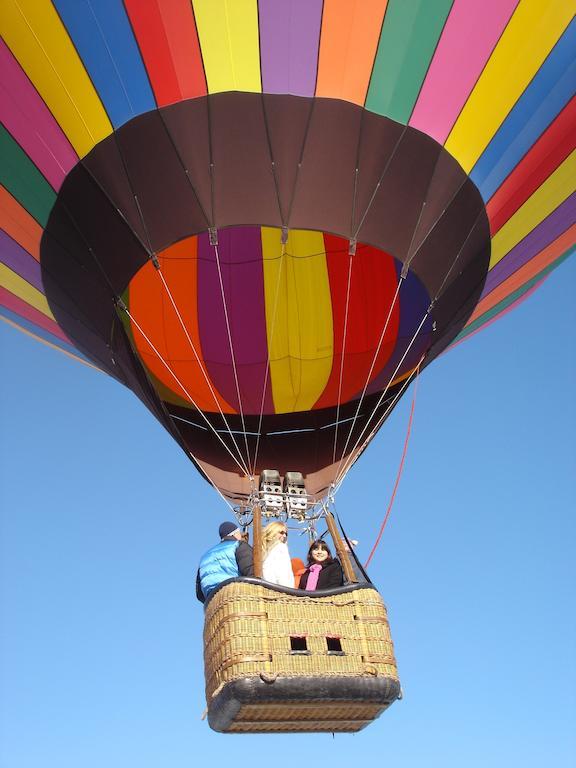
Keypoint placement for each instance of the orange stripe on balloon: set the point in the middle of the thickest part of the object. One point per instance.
(372, 288)
(525, 273)
(152, 309)
(550, 151)
(166, 34)
(348, 44)
(18, 223)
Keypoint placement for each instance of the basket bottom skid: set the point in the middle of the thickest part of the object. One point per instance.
(301, 705)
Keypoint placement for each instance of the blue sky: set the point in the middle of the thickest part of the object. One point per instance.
(103, 520)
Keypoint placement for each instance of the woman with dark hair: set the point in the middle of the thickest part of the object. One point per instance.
(324, 571)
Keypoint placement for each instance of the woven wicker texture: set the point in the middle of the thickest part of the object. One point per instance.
(254, 631)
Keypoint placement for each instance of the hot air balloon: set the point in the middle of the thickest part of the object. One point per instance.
(265, 217)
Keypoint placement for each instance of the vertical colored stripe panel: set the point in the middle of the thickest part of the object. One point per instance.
(104, 40)
(23, 180)
(21, 310)
(175, 335)
(547, 197)
(31, 123)
(526, 271)
(511, 300)
(373, 282)
(20, 261)
(239, 253)
(471, 32)
(167, 36)
(289, 40)
(545, 156)
(22, 288)
(550, 90)
(19, 224)
(298, 318)
(350, 34)
(409, 36)
(539, 238)
(34, 33)
(526, 42)
(413, 301)
(228, 32)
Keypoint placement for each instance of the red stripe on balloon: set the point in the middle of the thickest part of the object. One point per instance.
(20, 307)
(168, 40)
(372, 287)
(551, 149)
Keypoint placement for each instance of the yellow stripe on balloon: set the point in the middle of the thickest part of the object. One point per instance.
(557, 187)
(21, 288)
(529, 37)
(229, 39)
(298, 318)
(33, 31)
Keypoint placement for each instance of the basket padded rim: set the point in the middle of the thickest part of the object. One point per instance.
(290, 590)
(252, 690)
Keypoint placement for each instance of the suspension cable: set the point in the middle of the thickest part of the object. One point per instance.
(188, 395)
(398, 474)
(233, 357)
(350, 258)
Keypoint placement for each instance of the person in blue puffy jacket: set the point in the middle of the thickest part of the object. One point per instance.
(230, 558)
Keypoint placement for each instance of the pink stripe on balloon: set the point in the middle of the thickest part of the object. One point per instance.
(31, 123)
(470, 35)
(33, 315)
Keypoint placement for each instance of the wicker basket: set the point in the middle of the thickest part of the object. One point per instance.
(282, 660)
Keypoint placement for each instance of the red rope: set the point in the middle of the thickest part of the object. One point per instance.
(399, 474)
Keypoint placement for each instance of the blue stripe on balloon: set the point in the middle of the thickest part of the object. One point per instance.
(105, 42)
(42, 333)
(546, 96)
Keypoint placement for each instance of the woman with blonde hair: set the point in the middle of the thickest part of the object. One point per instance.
(276, 565)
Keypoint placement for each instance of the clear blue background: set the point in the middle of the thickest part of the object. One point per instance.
(104, 519)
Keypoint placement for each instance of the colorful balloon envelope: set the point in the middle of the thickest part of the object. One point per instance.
(264, 217)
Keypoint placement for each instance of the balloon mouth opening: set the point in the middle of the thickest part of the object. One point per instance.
(295, 338)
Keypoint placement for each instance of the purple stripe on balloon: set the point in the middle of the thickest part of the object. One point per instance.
(240, 254)
(289, 43)
(31, 123)
(545, 233)
(414, 301)
(20, 261)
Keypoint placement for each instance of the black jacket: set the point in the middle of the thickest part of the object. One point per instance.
(331, 576)
(244, 559)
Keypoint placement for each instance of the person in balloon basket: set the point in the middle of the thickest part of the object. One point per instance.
(323, 571)
(276, 563)
(230, 558)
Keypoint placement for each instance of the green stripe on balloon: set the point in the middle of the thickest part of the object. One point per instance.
(23, 180)
(513, 297)
(408, 40)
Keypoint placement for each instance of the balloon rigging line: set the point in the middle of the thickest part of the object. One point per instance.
(350, 259)
(385, 392)
(216, 251)
(198, 360)
(300, 160)
(184, 166)
(398, 474)
(380, 180)
(272, 331)
(272, 161)
(188, 395)
(368, 377)
(351, 460)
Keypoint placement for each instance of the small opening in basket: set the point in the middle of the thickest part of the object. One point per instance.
(334, 646)
(298, 645)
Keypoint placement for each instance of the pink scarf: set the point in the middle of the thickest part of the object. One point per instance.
(313, 575)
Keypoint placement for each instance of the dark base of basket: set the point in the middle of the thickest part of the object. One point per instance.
(301, 705)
